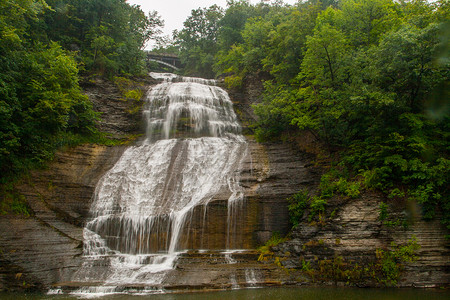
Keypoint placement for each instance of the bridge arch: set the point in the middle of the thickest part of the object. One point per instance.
(164, 63)
(166, 59)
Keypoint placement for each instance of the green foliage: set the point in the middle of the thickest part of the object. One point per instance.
(386, 267)
(274, 115)
(388, 220)
(317, 207)
(332, 183)
(306, 266)
(198, 40)
(128, 88)
(390, 262)
(134, 94)
(338, 270)
(42, 107)
(266, 250)
(325, 60)
(13, 202)
(383, 214)
(287, 41)
(335, 181)
(364, 77)
(297, 205)
(233, 22)
(42, 100)
(301, 202)
(69, 139)
(20, 207)
(364, 21)
(233, 82)
(108, 35)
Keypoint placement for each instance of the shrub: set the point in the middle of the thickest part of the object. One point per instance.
(391, 262)
(266, 250)
(297, 205)
(317, 207)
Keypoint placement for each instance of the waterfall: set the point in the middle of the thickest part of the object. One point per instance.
(142, 208)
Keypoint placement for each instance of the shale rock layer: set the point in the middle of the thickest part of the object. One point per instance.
(44, 249)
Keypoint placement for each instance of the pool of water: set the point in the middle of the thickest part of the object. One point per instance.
(305, 293)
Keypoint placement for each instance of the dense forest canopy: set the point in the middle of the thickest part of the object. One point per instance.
(45, 46)
(367, 78)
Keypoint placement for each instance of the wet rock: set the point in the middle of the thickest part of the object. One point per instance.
(120, 116)
(354, 235)
(46, 248)
(60, 198)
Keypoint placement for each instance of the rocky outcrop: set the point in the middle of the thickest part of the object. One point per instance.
(350, 235)
(350, 240)
(39, 250)
(275, 172)
(44, 249)
(270, 174)
(120, 116)
(60, 196)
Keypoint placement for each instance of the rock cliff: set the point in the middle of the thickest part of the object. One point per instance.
(42, 249)
(349, 238)
(39, 251)
(349, 241)
(45, 248)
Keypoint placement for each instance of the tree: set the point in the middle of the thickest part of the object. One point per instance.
(197, 40)
(109, 35)
(405, 64)
(39, 91)
(364, 77)
(288, 40)
(233, 22)
(364, 21)
(325, 59)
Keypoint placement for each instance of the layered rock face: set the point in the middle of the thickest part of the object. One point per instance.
(46, 249)
(61, 195)
(348, 237)
(120, 116)
(352, 236)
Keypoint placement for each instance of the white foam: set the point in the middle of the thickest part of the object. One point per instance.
(143, 204)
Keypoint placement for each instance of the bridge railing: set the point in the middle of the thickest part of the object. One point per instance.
(167, 59)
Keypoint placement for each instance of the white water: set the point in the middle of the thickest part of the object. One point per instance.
(252, 278)
(143, 206)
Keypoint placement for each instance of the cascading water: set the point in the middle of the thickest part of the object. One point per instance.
(143, 206)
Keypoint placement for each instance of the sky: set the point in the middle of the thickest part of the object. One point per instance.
(175, 12)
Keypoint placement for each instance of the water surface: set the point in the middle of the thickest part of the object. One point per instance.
(307, 293)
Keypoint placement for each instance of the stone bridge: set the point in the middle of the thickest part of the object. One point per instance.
(166, 59)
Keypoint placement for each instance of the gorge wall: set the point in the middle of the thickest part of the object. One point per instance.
(46, 248)
(39, 251)
(352, 232)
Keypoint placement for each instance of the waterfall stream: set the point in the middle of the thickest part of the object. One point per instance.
(142, 208)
